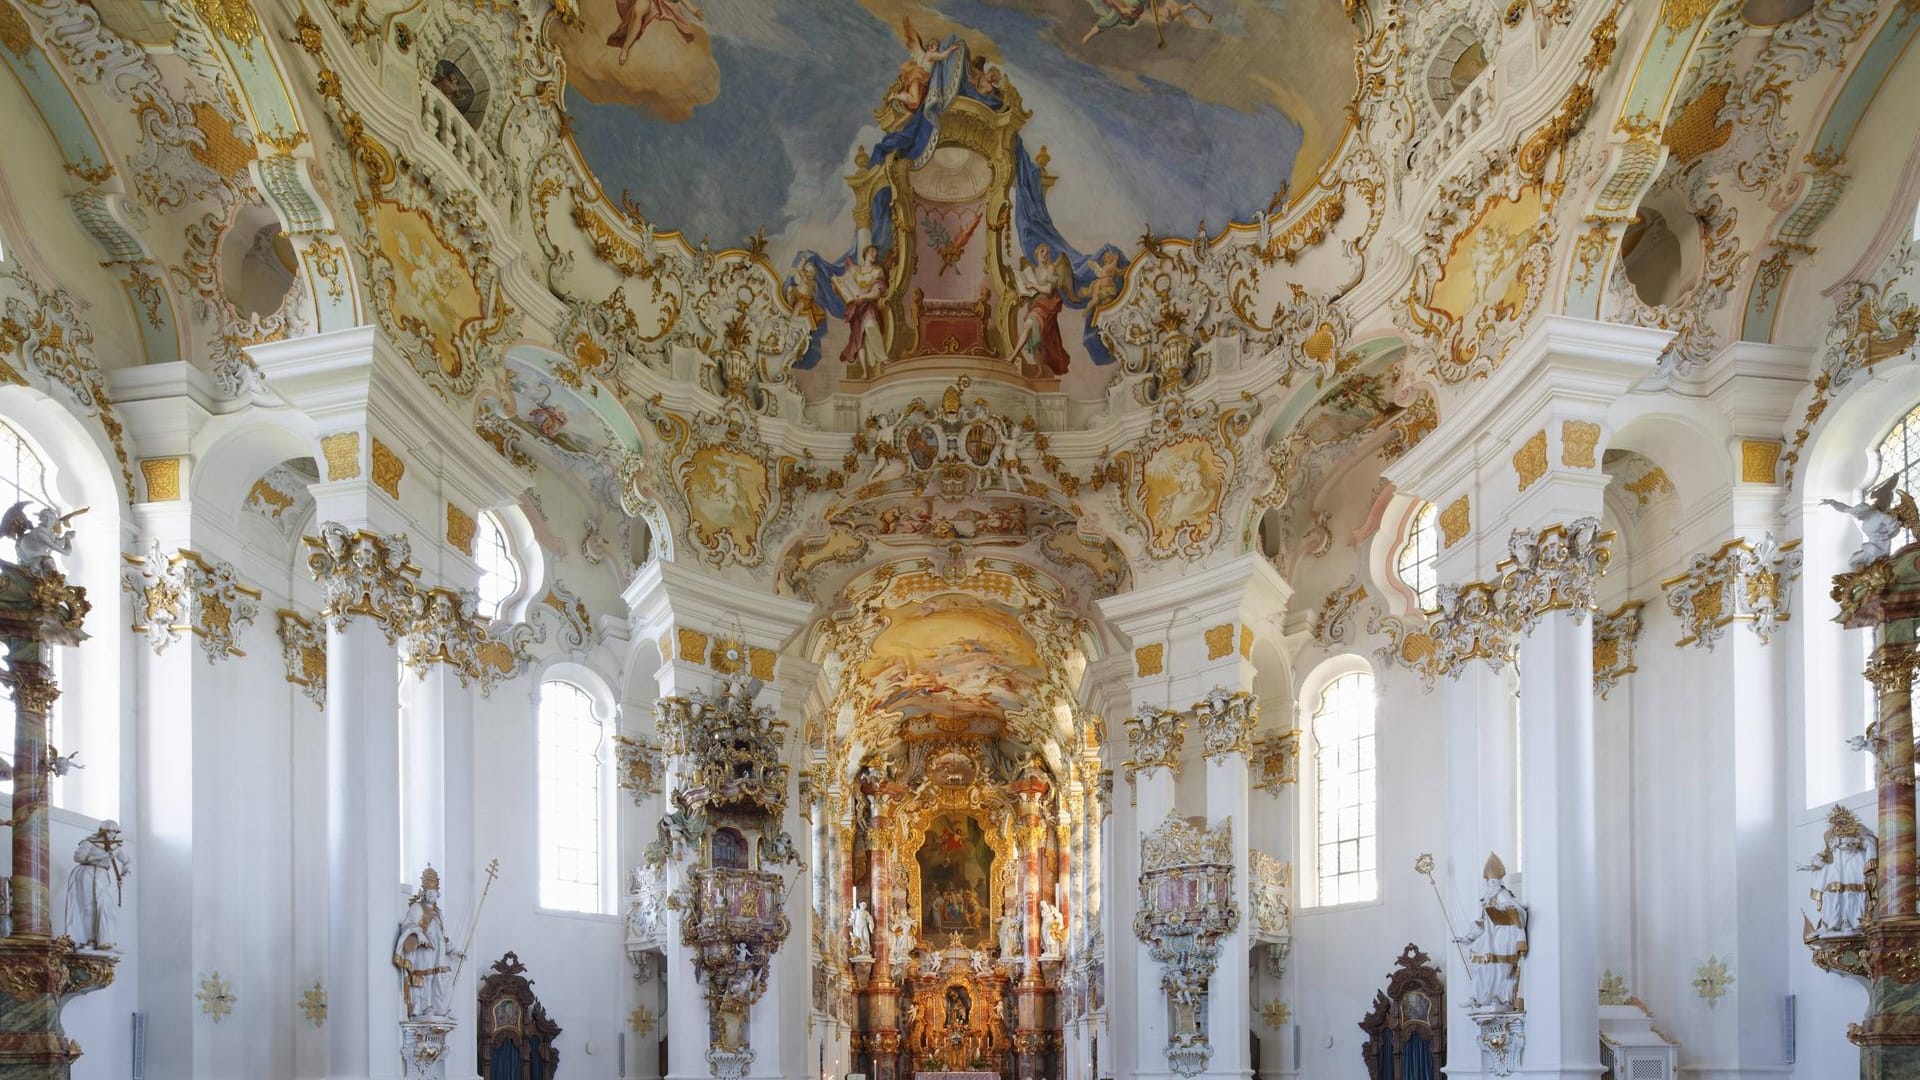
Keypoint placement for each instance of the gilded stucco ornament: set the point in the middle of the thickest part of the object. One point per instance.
(1276, 761)
(734, 492)
(1336, 611)
(1226, 720)
(303, 649)
(1740, 582)
(186, 592)
(639, 767)
(1875, 318)
(1186, 909)
(174, 165)
(445, 627)
(201, 275)
(363, 573)
(954, 448)
(1690, 315)
(1174, 481)
(1270, 895)
(1154, 739)
(43, 328)
(1552, 569)
(1614, 637)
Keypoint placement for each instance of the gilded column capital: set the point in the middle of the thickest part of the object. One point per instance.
(1557, 568)
(364, 573)
(1226, 721)
(31, 685)
(1740, 582)
(187, 592)
(1891, 668)
(445, 627)
(1154, 739)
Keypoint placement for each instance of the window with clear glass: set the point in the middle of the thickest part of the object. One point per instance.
(1898, 455)
(1419, 559)
(1345, 802)
(23, 478)
(499, 571)
(572, 756)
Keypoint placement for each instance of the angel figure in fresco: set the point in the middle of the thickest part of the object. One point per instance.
(1046, 285)
(637, 15)
(916, 74)
(1127, 14)
(862, 287)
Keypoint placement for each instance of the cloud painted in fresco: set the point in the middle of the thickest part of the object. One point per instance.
(798, 81)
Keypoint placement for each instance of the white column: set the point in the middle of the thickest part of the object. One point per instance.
(1153, 801)
(1479, 707)
(363, 854)
(1561, 975)
(1229, 992)
(163, 828)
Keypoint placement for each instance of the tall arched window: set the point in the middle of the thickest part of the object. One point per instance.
(23, 478)
(573, 747)
(1344, 797)
(499, 570)
(1419, 559)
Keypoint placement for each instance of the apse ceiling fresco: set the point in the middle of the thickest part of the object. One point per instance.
(748, 114)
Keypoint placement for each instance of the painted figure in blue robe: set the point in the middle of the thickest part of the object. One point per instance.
(1127, 14)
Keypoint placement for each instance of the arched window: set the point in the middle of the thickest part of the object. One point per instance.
(573, 748)
(499, 570)
(23, 478)
(1898, 453)
(1344, 799)
(1419, 559)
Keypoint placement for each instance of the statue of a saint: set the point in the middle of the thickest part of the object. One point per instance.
(1496, 941)
(860, 931)
(1009, 935)
(95, 885)
(1053, 930)
(423, 953)
(1843, 869)
(903, 941)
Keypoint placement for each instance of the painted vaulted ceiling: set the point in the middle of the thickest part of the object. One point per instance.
(1078, 294)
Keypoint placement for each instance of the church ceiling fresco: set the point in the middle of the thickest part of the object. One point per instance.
(733, 114)
(945, 649)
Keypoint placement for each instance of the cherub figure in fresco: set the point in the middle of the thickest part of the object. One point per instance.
(1127, 14)
(916, 74)
(1046, 285)
(862, 288)
(637, 15)
(1109, 274)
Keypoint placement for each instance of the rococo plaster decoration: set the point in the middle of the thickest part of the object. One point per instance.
(186, 592)
(1740, 582)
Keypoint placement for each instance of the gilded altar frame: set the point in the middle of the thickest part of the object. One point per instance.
(983, 805)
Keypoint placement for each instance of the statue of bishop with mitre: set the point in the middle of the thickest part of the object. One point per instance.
(1496, 942)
